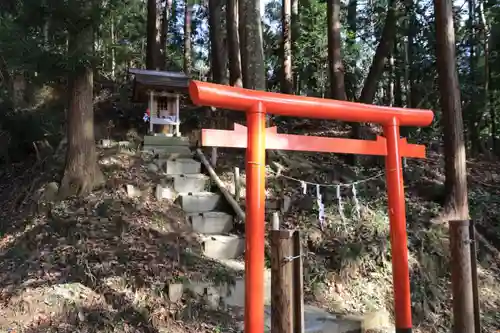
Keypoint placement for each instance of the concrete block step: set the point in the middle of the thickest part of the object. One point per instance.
(211, 222)
(162, 140)
(223, 246)
(190, 183)
(221, 294)
(168, 152)
(163, 191)
(178, 166)
(182, 166)
(200, 202)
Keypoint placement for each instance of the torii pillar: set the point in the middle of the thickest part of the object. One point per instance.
(256, 139)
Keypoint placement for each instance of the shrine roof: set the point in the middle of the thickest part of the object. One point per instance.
(164, 81)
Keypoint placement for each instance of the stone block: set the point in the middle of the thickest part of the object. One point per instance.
(162, 140)
(175, 292)
(164, 192)
(168, 152)
(211, 222)
(180, 166)
(223, 247)
(199, 202)
(190, 183)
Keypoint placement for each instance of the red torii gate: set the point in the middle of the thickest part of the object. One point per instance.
(256, 104)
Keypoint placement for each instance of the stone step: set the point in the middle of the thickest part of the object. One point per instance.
(211, 222)
(178, 166)
(168, 152)
(221, 294)
(164, 192)
(223, 246)
(162, 140)
(190, 183)
(200, 202)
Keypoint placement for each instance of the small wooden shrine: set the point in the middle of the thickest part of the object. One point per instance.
(162, 91)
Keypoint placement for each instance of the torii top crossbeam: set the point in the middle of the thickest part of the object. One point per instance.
(203, 93)
(257, 104)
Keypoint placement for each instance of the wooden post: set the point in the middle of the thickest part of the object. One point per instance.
(298, 284)
(281, 280)
(213, 157)
(461, 277)
(177, 116)
(237, 184)
(152, 111)
(475, 291)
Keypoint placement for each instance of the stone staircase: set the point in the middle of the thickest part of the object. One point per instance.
(207, 213)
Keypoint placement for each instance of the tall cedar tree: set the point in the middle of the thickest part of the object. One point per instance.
(456, 205)
(187, 36)
(81, 172)
(233, 43)
(335, 65)
(286, 47)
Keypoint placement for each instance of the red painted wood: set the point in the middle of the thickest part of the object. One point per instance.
(237, 138)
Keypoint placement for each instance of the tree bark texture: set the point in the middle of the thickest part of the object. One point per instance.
(286, 47)
(81, 173)
(153, 36)
(217, 46)
(295, 37)
(377, 67)
(254, 46)
(233, 43)
(456, 205)
(164, 33)
(352, 87)
(187, 37)
(242, 27)
(335, 65)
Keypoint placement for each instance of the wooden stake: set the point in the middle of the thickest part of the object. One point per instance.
(461, 277)
(475, 292)
(281, 281)
(237, 184)
(298, 284)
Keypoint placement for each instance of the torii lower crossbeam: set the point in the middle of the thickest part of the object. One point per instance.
(237, 138)
(256, 104)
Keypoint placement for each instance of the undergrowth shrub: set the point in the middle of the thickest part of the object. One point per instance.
(20, 130)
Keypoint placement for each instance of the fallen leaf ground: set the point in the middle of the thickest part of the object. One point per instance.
(103, 263)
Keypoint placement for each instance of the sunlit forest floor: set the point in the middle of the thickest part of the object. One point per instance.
(103, 263)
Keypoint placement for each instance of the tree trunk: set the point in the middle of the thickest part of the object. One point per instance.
(19, 90)
(352, 7)
(377, 67)
(295, 37)
(242, 29)
(473, 116)
(113, 52)
(233, 43)
(378, 62)
(398, 93)
(254, 50)
(335, 65)
(390, 81)
(187, 37)
(81, 173)
(216, 42)
(456, 205)
(153, 36)
(487, 75)
(164, 34)
(286, 48)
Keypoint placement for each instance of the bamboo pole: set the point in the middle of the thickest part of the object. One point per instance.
(222, 188)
